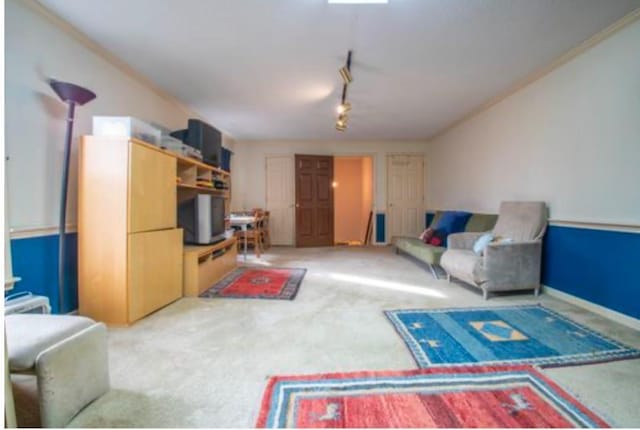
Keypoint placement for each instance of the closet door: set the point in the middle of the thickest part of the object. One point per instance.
(405, 194)
(152, 190)
(154, 271)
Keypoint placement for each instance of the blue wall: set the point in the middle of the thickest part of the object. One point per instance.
(599, 266)
(35, 260)
(380, 227)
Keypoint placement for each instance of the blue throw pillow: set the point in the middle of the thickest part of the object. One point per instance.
(482, 242)
(452, 222)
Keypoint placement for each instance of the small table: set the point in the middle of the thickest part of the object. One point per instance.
(242, 221)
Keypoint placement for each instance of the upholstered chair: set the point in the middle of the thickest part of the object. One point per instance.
(68, 356)
(512, 261)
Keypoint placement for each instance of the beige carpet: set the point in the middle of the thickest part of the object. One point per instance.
(204, 363)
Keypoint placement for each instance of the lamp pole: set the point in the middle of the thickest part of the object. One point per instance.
(72, 95)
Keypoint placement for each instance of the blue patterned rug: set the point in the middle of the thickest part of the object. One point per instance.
(530, 334)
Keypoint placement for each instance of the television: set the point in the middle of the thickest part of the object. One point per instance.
(203, 137)
(202, 219)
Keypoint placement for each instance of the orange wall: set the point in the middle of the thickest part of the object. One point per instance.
(353, 197)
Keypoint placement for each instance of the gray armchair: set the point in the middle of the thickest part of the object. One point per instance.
(503, 266)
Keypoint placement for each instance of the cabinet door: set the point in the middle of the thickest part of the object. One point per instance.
(154, 271)
(152, 190)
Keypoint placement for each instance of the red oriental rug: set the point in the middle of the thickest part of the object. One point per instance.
(477, 396)
(258, 283)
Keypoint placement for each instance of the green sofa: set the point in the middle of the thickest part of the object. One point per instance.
(430, 254)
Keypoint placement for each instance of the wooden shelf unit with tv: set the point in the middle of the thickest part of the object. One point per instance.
(131, 257)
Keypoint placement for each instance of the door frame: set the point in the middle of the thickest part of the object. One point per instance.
(386, 183)
(374, 187)
(266, 194)
(374, 174)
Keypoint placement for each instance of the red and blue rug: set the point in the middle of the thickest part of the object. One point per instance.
(258, 283)
(530, 334)
(477, 396)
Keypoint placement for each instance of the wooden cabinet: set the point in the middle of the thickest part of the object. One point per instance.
(152, 190)
(129, 249)
(154, 274)
(130, 253)
(205, 265)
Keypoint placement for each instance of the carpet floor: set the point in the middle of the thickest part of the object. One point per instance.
(205, 363)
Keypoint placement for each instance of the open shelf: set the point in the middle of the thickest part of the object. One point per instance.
(203, 189)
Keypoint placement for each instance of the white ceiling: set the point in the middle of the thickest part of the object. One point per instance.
(268, 69)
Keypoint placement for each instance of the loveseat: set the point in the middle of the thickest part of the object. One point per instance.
(430, 254)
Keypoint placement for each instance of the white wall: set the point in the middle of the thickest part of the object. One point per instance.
(36, 49)
(571, 138)
(248, 171)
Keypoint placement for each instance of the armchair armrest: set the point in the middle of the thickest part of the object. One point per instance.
(462, 240)
(71, 374)
(514, 263)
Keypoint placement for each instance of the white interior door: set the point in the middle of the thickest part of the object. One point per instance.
(405, 194)
(281, 199)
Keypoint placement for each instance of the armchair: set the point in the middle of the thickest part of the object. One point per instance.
(504, 266)
(68, 356)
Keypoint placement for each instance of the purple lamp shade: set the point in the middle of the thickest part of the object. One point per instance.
(71, 92)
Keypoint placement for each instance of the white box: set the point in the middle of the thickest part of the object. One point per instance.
(27, 304)
(126, 126)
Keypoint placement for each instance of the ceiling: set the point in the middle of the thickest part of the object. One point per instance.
(261, 69)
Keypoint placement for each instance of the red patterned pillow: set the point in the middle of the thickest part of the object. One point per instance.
(427, 235)
(435, 241)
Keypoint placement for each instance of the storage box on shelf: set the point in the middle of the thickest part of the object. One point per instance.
(130, 253)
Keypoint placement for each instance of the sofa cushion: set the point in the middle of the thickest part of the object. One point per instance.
(436, 218)
(521, 221)
(479, 223)
(30, 334)
(464, 264)
(419, 250)
(427, 235)
(451, 222)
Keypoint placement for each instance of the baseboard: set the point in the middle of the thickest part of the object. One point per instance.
(618, 317)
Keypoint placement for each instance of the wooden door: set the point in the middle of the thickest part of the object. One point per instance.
(154, 271)
(152, 190)
(281, 199)
(405, 194)
(314, 200)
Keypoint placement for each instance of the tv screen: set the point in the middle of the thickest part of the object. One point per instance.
(202, 219)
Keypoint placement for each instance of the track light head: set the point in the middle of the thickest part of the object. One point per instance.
(344, 108)
(345, 73)
(341, 124)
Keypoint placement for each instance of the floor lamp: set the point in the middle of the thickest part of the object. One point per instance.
(72, 95)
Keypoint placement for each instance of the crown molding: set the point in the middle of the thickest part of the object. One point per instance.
(96, 48)
(625, 21)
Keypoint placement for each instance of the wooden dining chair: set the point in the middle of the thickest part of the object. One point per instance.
(252, 234)
(266, 238)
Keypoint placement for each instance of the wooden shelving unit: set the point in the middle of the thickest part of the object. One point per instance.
(205, 265)
(132, 260)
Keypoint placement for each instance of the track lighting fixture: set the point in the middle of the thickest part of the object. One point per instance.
(346, 75)
(345, 107)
